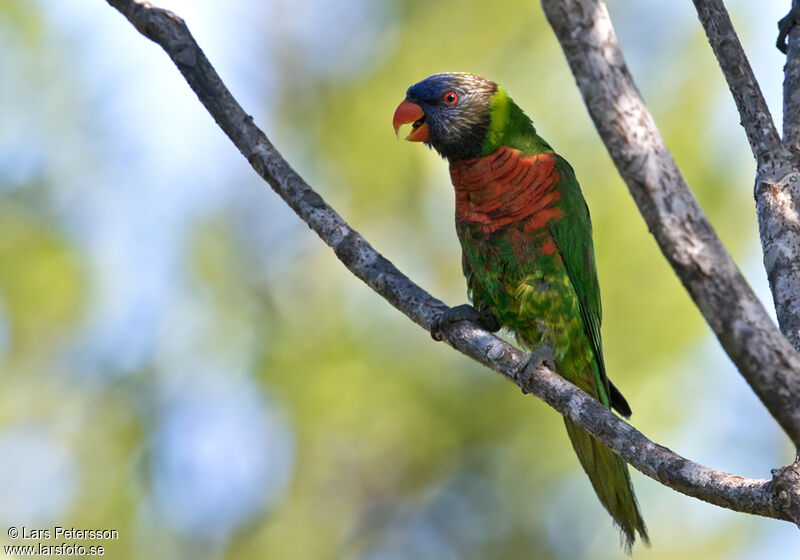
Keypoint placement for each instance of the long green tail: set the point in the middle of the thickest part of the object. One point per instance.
(611, 481)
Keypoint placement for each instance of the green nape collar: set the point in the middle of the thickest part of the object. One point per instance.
(510, 126)
(499, 109)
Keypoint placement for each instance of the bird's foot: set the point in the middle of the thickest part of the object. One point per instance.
(484, 319)
(543, 355)
(785, 26)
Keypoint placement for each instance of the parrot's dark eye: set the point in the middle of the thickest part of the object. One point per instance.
(450, 98)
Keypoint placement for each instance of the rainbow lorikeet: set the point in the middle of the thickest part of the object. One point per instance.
(527, 251)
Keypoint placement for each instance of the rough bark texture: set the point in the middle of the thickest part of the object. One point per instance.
(791, 89)
(746, 495)
(755, 115)
(761, 353)
(777, 176)
(777, 193)
(786, 489)
(777, 197)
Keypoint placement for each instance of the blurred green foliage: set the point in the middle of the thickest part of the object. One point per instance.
(37, 308)
(404, 449)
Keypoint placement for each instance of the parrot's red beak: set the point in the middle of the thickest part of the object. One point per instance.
(408, 112)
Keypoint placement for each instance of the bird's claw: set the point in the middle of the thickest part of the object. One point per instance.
(464, 312)
(785, 26)
(543, 355)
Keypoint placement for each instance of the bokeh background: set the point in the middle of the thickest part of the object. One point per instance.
(183, 361)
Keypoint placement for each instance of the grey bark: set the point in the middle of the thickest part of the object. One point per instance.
(791, 88)
(768, 498)
(777, 184)
(756, 118)
(761, 353)
(777, 199)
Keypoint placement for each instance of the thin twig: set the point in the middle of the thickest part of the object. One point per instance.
(761, 353)
(729, 491)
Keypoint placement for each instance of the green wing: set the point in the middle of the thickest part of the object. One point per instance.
(573, 236)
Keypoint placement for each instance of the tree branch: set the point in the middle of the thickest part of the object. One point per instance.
(758, 497)
(763, 356)
(791, 86)
(791, 94)
(777, 190)
(756, 118)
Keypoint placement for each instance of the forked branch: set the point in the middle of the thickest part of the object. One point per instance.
(777, 188)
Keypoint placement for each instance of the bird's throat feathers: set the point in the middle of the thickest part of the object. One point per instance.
(504, 188)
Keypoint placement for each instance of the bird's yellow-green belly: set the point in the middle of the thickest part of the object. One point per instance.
(540, 306)
(548, 312)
